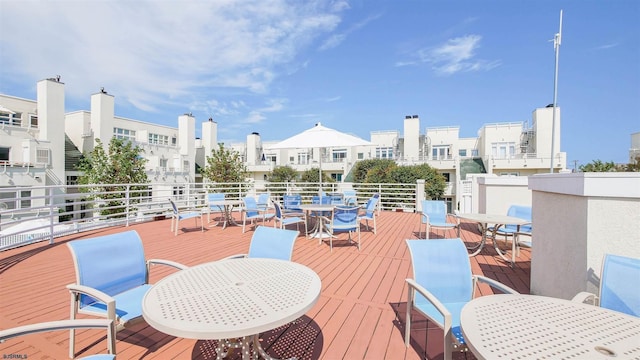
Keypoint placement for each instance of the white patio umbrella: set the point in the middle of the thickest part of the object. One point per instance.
(320, 137)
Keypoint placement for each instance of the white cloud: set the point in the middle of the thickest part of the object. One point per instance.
(336, 39)
(151, 52)
(455, 55)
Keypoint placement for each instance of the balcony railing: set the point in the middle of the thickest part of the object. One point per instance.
(45, 212)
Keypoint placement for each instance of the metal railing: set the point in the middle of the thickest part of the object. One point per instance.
(32, 214)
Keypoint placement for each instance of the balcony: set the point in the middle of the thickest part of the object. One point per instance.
(360, 313)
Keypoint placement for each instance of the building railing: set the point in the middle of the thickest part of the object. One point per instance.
(42, 213)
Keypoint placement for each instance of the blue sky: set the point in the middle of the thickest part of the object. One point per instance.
(277, 67)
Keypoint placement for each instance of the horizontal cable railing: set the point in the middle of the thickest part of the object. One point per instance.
(42, 213)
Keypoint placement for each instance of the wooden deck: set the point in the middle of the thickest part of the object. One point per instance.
(360, 313)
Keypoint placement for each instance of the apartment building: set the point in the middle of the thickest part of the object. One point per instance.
(39, 144)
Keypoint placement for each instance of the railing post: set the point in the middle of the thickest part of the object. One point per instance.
(420, 194)
(51, 215)
(127, 208)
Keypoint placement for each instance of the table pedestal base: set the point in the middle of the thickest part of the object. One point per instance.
(245, 345)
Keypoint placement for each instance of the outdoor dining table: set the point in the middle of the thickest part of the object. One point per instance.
(319, 229)
(231, 298)
(484, 220)
(513, 326)
(227, 210)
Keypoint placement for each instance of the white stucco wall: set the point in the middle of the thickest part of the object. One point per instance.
(577, 219)
(497, 193)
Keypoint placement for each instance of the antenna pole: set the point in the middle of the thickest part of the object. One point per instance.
(557, 39)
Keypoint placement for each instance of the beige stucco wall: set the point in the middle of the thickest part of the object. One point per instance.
(577, 219)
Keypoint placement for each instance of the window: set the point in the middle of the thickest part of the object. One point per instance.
(339, 155)
(25, 199)
(271, 158)
(303, 158)
(72, 180)
(440, 152)
(337, 177)
(10, 119)
(475, 153)
(33, 120)
(185, 165)
(447, 177)
(503, 150)
(124, 134)
(384, 153)
(462, 152)
(163, 163)
(174, 140)
(360, 156)
(42, 156)
(4, 153)
(158, 139)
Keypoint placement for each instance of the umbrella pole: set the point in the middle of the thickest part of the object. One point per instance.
(320, 175)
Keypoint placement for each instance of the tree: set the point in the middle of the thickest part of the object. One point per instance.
(283, 174)
(598, 166)
(362, 168)
(224, 166)
(107, 170)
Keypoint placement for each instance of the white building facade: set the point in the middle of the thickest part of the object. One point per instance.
(32, 145)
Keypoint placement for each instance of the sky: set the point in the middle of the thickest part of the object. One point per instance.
(277, 67)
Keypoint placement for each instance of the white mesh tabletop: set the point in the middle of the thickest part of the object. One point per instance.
(538, 327)
(231, 298)
(493, 219)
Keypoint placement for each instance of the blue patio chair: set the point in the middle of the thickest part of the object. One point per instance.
(434, 214)
(285, 219)
(68, 325)
(324, 200)
(343, 219)
(291, 204)
(369, 212)
(618, 285)
(215, 205)
(514, 231)
(270, 243)
(178, 215)
(264, 201)
(442, 284)
(112, 276)
(252, 212)
(350, 197)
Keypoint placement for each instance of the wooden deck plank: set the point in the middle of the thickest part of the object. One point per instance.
(359, 314)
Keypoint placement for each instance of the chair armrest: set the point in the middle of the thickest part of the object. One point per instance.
(432, 299)
(55, 325)
(76, 290)
(585, 298)
(89, 291)
(237, 256)
(166, 262)
(495, 284)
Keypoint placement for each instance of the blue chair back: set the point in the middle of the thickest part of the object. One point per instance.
(326, 200)
(278, 210)
(345, 219)
(272, 243)
(436, 210)
(173, 206)
(251, 206)
(350, 197)
(442, 267)
(111, 263)
(371, 204)
(263, 199)
(522, 212)
(292, 202)
(212, 198)
(618, 284)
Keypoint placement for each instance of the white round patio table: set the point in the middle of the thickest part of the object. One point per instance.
(319, 230)
(485, 220)
(232, 298)
(227, 211)
(510, 326)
